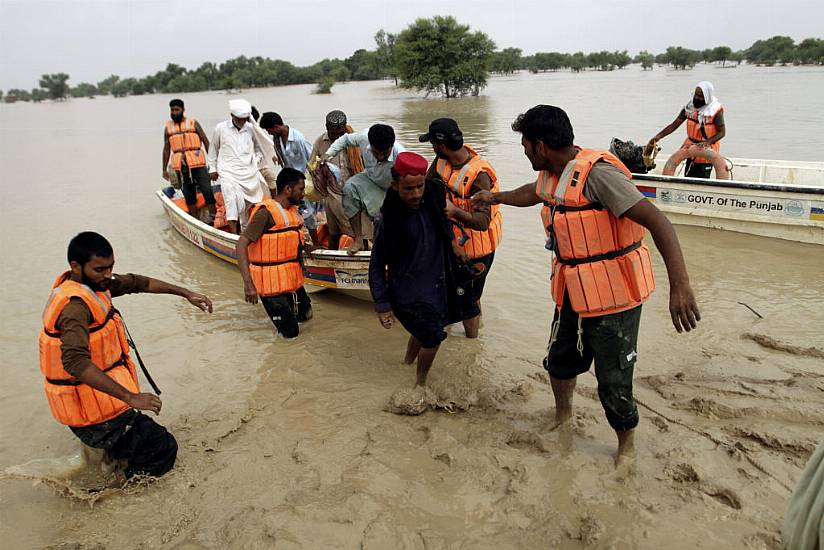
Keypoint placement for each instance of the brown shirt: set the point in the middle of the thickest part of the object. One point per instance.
(260, 222)
(611, 188)
(481, 215)
(73, 323)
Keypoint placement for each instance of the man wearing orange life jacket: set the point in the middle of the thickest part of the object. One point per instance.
(270, 256)
(89, 378)
(705, 129)
(186, 142)
(477, 230)
(601, 274)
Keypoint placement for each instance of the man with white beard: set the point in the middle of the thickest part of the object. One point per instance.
(233, 160)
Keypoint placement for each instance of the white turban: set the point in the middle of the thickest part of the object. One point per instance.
(240, 108)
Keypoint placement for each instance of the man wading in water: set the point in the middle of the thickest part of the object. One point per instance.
(410, 267)
(90, 380)
(601, 272)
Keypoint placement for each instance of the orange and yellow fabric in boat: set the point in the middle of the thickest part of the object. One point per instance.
(600, 261)
(697, 132)
(323, 238)
(184, 140)
(72, 402)
(476, 244)
(275, 258)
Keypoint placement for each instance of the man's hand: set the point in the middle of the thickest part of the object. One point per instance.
(145, 402)
(450, 209)
(165, 174)
(483, 198)
(683, 308)
(387, 319)
(250, 292)
(213, 176)
(200, 300)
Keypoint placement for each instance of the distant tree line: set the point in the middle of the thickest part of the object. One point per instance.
(436, 55)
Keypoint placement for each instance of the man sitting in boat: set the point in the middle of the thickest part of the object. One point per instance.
(350, 162)
(410, 266)
(270, 256)
(365, 192)
(186, 143)
(705, 129)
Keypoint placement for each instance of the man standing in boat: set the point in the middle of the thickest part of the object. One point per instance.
(410, 266)
(705, 129)
(350, 162)
(90, 380)
(293, 151)
(595, 220)
(477, 230)
(270, 256)
(364, 192)
(186, 143)
(232, 158)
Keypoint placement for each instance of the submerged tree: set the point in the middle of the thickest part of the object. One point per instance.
(56, 85)
(440, 55)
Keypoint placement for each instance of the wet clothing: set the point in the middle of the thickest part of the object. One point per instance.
(471, 285)
(611, 342)
(194, 180)
(412, 263)
(147, 447)
(287, 310)
(75, 319)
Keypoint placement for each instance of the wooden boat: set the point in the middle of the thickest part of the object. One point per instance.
(779, 199)
(322, 269)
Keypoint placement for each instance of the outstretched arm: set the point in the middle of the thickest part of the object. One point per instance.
(156, 286)
(683, 307)
(671, 127)
(523, 196)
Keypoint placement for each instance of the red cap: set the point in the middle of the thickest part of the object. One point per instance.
(409, 163)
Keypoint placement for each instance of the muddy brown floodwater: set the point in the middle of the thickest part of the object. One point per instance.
(287, 444)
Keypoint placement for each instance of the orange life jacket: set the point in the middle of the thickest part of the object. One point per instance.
(184, 140)
(275, 258)
(72, 402)
(476, 244)
(600, 261)
(323, 237)
(697, 132)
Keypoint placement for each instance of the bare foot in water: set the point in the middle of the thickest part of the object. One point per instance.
(625, 457)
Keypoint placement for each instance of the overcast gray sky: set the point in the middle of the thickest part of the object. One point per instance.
(90, 39)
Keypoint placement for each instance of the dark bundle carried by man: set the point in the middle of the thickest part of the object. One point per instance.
(324, 179)
(631, 155)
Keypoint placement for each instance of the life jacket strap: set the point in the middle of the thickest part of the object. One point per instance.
(74, 382)
(599, 257)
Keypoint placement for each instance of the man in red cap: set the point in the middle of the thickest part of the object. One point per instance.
(410, 270)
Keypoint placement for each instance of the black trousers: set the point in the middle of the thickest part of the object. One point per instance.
(287, 310)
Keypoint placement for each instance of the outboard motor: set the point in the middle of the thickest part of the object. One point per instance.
(631, 155)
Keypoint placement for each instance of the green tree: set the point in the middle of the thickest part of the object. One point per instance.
(576, 62)
(506, 61)
(722, 54)
(84, 89)
(439, 55)
(364, 65)
(621, 59)
(56, 85)
(387, 56)
(681, 58)
(811, 51)
(778, 49)
(38, 94)
(737, 57)
(105, 86)
(16, 94)
(546, 61)
(325, 84)
(646, 59)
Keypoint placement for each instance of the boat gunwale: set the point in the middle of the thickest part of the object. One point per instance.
(731, 184)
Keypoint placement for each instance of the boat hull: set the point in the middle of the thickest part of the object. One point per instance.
(323, 269)
(790, 212)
